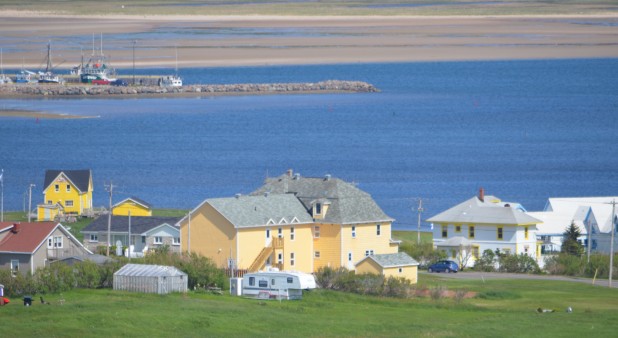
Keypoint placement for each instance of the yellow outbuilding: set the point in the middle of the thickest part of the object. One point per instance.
(136, 206)
(71, 189)
(398, 265)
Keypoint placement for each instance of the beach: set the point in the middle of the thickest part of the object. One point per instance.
(215, 41)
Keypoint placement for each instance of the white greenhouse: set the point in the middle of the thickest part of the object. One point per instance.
(150, 279)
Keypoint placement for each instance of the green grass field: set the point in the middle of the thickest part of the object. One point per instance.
(324, 7)
(508, 309)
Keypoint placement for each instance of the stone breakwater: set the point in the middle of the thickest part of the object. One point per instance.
(81, 90)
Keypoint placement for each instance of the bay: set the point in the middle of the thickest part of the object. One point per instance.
(523, 130)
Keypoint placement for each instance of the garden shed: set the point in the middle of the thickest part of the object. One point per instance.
(150, 279)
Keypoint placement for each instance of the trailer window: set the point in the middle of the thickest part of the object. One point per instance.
(290, 280)
(263, 283)
(252, 281)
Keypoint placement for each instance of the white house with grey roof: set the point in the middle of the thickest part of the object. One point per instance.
(485, 222)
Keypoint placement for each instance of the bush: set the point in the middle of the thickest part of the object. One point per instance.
(424, 253)
(342, 279)
(521, 263)
(487, 262)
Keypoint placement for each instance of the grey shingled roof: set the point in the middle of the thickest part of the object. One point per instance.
(477, 212)
(80, 178)
(250, 211)
(348, 204)
(139, 224)
(392, 260)
(136, 200)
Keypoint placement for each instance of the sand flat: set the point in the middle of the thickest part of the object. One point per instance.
(279, 40)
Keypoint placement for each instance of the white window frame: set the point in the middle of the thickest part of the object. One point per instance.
(316, 254)
(400, 270)
(50, 243)
(292, 259)
(316, 231)
(349, 256)
(369, 252)
(292, 234)
(57, 187)
(14, 266)
(378, 229)
(158, 240)
(354, 231)
(68, 203)
(280, 258)
(54, 242)
(318, 208)
(68, 188)
(176, 241)
(279, 232)
(267, 233)
(94, 238)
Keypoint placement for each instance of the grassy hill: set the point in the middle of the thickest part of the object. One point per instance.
(502, 308)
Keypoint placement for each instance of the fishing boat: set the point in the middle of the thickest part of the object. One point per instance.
(25, 76)
(97, 70)
(48, 76)
(171, 80)
(4, 79)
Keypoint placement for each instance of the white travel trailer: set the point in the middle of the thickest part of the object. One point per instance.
(277, 284)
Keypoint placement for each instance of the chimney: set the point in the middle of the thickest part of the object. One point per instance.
(290, 172)
(482, 194)
(15, 228)
(327, 177)
(237, 196)
(297, 176)
(266, 193)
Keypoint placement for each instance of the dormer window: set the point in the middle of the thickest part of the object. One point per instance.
(68, 188)
(318, 208)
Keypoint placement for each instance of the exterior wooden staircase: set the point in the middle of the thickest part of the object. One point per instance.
(276, 243)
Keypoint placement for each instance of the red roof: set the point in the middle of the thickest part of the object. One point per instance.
(29, 237)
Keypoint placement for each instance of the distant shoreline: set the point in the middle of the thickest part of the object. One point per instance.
(40, 115)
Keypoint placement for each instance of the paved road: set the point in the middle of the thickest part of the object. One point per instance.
(496, 275)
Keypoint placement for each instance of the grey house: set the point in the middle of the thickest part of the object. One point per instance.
(147, 233)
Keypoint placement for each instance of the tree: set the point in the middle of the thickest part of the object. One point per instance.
(570, 245)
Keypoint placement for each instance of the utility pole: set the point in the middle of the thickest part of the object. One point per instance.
(129, 248)
(30, 200)
(589, 239)
(109, 188)
(420, 211)
(134, 42)
(611, 244)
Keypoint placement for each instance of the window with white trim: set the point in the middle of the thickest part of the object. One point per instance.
(378, 229)
(368, 253)
(292, 235)
(349, 256)
(50, 243)
(158, 240)
(280, 258)
(14, 266)
(54, 242)
(400, 270)
(318, 208)
(68, 203)
(94, 237)
(267, 233)
(354, 231)
(291, 259)
(57, 187)
(280, 233)
(68, 188)
(316, 254)
(316, 231)
(176, 241)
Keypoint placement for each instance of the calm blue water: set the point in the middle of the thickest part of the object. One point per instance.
(523, 130)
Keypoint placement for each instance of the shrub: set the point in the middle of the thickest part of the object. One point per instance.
(487, 262)
(437, 292)
(424, 253)
(521, 263)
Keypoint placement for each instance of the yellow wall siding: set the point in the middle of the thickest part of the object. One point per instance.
(81, 201)
(136, 210)
(40, 212)
(329, 246)
(209, 232)
(408, 272)
(302, 246)
(368, 266)
(367, 239)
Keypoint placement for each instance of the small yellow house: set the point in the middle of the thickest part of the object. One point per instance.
(49, 212)
(72, 189)
(136, 206)
(398, 265)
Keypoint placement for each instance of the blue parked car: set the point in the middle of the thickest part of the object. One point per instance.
(443, 266)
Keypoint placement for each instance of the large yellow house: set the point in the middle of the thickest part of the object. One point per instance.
(65, 191)
(133, 205)
(291, 222)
